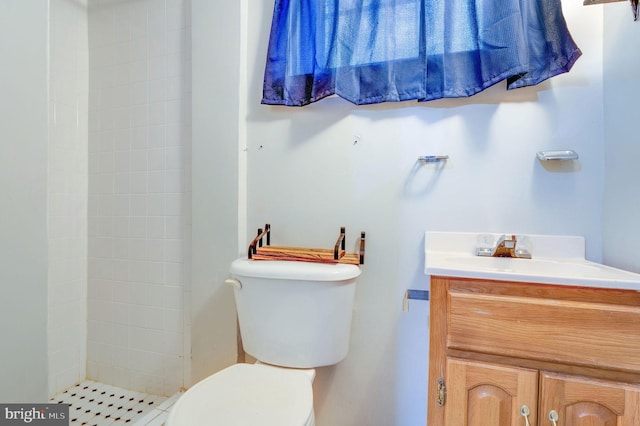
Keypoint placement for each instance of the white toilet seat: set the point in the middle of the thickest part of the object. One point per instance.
(247, 395)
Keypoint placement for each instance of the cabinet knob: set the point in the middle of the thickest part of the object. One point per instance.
(524, 412)
(553, 417)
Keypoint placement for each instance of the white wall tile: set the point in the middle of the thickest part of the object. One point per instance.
(157, 113)
(121, 139)
(121, 295)
(156, 159)
(155, 294)
(158, 90)
(175, 158)
(120, 204)
(121, 183)
(157, 19)
(120, 227)
(137, 249)
(174, 251)
(175, 65)
(120, 314)
(156, 250)
(173, 227)
(174, 274)
(175, 181)
(140, 93)
(139, 160)
(137, 270)
(157, 182)
(137, 183)
(174, 204)
(157, 272)
(139, 203)
(139, 70)
(67, 197)
(136, 315)
(156, 206)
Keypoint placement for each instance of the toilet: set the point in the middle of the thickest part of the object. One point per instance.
(294, 317)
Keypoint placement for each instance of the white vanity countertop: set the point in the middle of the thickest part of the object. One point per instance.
(555, 259)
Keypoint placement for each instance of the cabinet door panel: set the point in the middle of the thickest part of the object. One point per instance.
(482, 394)
(588, 402)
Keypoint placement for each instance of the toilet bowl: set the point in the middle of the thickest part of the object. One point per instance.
(248, 394)
(294, 317)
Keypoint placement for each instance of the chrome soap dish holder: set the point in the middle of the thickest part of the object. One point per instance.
(567, 154)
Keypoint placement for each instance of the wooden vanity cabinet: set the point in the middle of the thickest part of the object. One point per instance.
(496, 347)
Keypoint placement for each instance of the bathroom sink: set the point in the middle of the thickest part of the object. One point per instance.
(555, 260)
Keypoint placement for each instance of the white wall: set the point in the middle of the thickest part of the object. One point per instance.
(67, 192)
(23, 184)
(139, 193)
(307, 177)
(621, 93)
(217, 125)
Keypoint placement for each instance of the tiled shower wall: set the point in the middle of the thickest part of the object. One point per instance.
(139, 193)
(67, 193)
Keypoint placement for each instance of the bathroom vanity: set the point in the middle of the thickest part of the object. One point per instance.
(552, 340)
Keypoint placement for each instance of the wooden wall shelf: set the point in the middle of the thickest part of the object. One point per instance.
(259, 250)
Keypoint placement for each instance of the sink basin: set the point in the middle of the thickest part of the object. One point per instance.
(556, 260)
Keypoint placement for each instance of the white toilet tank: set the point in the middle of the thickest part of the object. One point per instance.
(295, 314)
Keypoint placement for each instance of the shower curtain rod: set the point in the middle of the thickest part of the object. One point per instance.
(635, 8)
(590, 2)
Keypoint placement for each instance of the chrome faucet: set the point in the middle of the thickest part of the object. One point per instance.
(505, 247)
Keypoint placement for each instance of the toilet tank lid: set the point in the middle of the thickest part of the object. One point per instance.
(291, 270)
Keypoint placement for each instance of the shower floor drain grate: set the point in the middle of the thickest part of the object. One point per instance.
(96, 404)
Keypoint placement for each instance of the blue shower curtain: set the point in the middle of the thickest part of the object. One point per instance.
(371, 51)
